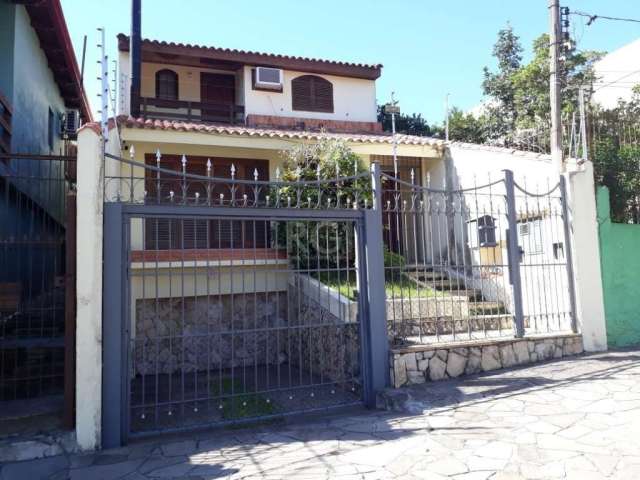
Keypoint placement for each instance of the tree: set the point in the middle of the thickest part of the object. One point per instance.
(518, 94)
(499, 86)
(314, 170)
(412, 124)
(465, 127)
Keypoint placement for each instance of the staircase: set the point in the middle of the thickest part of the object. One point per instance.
(32, 346)
(483, 315)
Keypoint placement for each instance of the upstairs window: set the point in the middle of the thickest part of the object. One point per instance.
(167, 84)
(312, 94)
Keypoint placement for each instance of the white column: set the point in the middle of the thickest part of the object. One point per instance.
(586, 258)
(89, 290)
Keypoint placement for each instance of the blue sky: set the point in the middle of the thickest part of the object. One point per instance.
(428, 48)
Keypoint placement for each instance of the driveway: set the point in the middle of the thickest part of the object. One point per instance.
(571, 419)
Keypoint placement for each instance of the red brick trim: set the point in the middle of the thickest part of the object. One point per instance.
(220, 254)
(311, 124)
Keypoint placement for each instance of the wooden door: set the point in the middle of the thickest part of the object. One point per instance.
(218, 94)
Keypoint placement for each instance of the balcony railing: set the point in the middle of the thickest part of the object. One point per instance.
(190, 111)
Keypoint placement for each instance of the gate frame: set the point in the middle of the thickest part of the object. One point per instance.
(116, 322)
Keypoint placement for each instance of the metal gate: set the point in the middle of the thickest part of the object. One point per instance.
(232, 307)
(492, 260)
(37, 305)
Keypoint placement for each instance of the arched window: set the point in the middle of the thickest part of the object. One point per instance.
(312, 94)
(167, 84)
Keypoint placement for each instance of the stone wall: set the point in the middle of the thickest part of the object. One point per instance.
(419, 364)
(199, 333)
(324, 346)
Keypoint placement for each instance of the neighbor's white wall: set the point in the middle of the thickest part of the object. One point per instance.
(353, 99)
(586, 253)
(89, 291)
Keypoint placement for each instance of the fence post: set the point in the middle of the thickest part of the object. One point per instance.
(114, 373)
(513, 253)
(375, 315)
(568, 253)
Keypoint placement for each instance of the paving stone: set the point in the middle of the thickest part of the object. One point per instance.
(35, 469)
(568, 420)
(105, 472)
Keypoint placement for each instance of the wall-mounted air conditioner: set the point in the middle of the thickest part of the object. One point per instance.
(70, 123)
(269, 78)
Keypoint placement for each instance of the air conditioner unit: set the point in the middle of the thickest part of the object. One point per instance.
(70, 123)
(269, 78)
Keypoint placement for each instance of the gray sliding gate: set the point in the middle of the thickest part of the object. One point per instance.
(233, 300)
(224, 311)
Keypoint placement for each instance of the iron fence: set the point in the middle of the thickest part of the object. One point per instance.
(243, 298)
(33, 190)
(453, 270)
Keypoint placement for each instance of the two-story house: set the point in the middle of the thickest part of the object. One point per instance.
(243, 108)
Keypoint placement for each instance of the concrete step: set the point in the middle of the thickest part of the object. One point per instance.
(487, 308)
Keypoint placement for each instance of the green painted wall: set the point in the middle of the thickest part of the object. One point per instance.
(620, 259)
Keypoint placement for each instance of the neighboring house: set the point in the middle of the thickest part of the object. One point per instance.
(39, 77)
(41, 101)
(617, 73)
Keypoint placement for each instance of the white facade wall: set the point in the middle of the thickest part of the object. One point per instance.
(354, 99)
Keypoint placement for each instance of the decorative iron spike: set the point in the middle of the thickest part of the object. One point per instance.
(158, 157)
(233, 171)
(318, 171)
(277, 173)
(413, 175)
(171, 194)
(255, 174)
(208, 167)
(184, 163)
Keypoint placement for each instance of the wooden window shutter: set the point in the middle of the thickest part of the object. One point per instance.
(167, 84)
(311, 93)
(186, 233)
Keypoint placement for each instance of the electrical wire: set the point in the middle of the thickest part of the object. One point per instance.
(593, 17)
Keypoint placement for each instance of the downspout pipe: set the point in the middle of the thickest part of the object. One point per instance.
(135, 47)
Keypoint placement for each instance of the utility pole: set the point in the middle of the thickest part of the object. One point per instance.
(554, 84)
(393, 109)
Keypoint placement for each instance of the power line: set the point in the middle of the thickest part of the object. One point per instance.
(593, 17)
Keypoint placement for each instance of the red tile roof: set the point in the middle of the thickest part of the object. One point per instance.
(225, 129)
(47, 19)
(291, 62)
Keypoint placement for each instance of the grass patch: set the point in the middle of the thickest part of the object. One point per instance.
(397, 286)
(240, 406)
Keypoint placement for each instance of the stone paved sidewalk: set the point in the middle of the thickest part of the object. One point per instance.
(571, 419)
